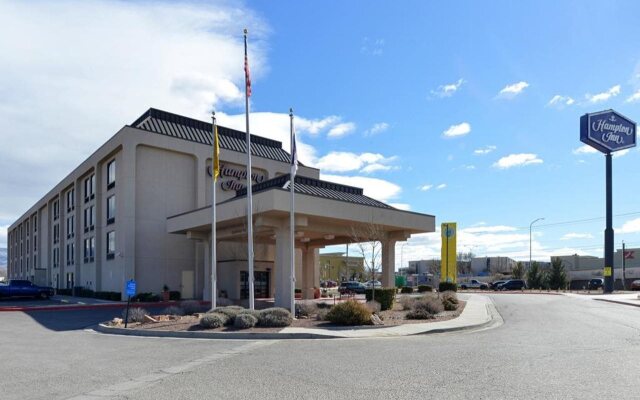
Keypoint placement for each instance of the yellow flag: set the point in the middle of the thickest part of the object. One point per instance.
(216, 155)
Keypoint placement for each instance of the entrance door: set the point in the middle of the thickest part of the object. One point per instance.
(261, 287)
(188, 282)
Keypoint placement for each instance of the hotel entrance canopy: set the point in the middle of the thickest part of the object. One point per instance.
(326, 214)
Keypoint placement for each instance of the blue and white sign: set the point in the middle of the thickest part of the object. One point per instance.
(131, 288)
(607, 131)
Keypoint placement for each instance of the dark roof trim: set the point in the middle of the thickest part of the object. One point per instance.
(281, 180)
(205, 126)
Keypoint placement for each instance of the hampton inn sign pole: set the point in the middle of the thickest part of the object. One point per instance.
(608, 131)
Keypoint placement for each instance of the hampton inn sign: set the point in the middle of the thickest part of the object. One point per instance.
(234, 178)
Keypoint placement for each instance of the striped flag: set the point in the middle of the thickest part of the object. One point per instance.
(247, 76)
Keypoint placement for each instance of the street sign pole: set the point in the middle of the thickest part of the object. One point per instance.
(624, 264)
(126, 318)
(608, 232)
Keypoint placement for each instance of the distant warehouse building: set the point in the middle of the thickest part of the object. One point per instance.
(140, 208)
(580, 269)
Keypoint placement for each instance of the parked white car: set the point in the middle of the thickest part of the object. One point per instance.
(473, 284)
(371, 284)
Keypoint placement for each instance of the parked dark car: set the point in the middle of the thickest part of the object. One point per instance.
(513, 284)
(635, 285)
(351, 287)
(596, 283)
(496, 285)
(24, 288)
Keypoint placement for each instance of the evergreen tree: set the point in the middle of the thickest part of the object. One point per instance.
(557, 275)
(534, 276)
(518, 271)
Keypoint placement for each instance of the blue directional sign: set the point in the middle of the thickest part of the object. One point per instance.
(607, 131)
(131, 288)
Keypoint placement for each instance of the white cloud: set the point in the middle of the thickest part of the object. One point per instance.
(570, 236)
(448, 90)
(441, 186)
(424, 188)
(634, 97)
(604, 96)
(517, 160)
(631, 226)
(378, 189)
(484, 150)
(374, 47)
(401, 206)
(585, 149)
(377, 128)
(467, 167)
(315, 126)
(621, 153)
(457, 130)
(510, 91)
(491, 229)
(560, 101)
(338, 161)
(69, 85)
(341, 129)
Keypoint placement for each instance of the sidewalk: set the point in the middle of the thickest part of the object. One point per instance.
(479, 312)
(627, 298)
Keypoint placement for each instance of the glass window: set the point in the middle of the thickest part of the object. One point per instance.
(111, 209)
(111, 174)
(71, 199)
(111, 243)
(89, 187)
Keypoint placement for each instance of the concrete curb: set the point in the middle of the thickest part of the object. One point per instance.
(68, 307)
(492, 317)
(618, 302)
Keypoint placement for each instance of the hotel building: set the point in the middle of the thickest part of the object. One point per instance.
(140, 208)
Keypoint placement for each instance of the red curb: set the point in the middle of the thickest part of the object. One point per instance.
(92, 306)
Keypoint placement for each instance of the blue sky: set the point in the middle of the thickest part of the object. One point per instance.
(463, 110)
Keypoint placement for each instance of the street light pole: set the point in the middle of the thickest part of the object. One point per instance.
(530, 226)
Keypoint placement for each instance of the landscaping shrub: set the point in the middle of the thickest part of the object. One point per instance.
(229, 311)
(223, 302)
(64, 292)
(449, 300)
(146, 297)
(322, 314)
(255, 313)
(406, 302)
(306, 308)
(323, 305)
(244, 321)
(425, 308)
(446, 286)
(173, 310)
(373, 306)
(190, 307)
(349, 313)
(135, 314)
(424, 288)
(213, 320)
(384, 296)
(175, 295)
(406, 289)
(114, 296)
(275, 317)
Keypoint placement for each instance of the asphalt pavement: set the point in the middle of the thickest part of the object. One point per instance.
(549, 347)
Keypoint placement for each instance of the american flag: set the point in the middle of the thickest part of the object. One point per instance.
(247, 76)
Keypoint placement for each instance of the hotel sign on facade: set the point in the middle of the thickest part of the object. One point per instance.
(235, 178)
(607, 131)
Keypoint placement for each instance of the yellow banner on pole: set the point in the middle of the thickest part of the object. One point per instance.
(448, 264)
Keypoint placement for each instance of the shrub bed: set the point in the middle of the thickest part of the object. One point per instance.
(406, 289)
(275, 317)
(244, 321)
(213, 320)
(229, 311)
(135, 314)
(306, 309)
(190, 307)
(449, 300)
(384, 296)
(173, 310)
(349, 313)
(425, 308)
(446, 286)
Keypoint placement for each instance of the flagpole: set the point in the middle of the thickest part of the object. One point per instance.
(292, 232)
(247, 93)
(214, 261)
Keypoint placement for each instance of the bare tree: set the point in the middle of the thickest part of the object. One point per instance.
(368, 241)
